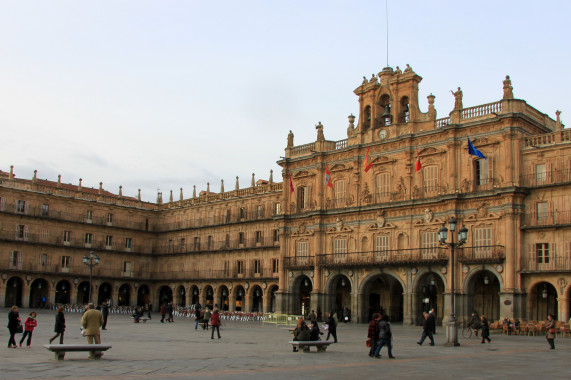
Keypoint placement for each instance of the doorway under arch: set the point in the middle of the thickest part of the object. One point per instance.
(124, 295)
(382, 293)
(14, 292)
(39, 291)
(63, 291)
(542, 300)
(484, 296)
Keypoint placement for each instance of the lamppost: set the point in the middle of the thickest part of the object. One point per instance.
(91, 261)
(451, 325)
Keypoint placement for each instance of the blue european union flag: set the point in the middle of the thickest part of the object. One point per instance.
(475, 152)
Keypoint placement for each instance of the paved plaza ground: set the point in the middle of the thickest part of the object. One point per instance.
(252, 350)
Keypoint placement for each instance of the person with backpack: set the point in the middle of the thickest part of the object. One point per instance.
(385, 336)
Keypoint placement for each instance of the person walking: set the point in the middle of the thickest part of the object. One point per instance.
(215, 323)
(332, 327)
(206, 318)
(319, 315)
(197, 314)
(485, 330)
(14, 323)
(29, 324)
(163, 312)
(105, 313)
(92, 321)
(550, 327)
(170, 312)
(385, 336)
(149, 309)
(426, 330)
(373, 333)
(312, 316)
(432, 318)
(59, 327)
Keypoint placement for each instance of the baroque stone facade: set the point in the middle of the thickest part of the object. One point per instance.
(353, 224)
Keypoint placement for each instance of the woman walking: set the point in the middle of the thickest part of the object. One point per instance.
(550, 327)
(59, 327)
(13, 324)
(485, 331)
(29, 324)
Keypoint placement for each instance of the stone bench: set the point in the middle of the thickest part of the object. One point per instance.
(305, 345)
(61, 349)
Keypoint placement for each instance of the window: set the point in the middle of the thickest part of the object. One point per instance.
(128, 243)
(15, 260)
(182, 244)
(302, 249)
(303, 197)
(258, 237)
(542, 211)
(127, 268)
(241, 238)
(45, 210)
(276, 236)
(257, 266)
(89, 216)
(381, 243)
(21, 207)
(108, 241)
(170, 246)
(21, 232)
(277, 208)
(2, 204)
(339, 187)
(196, 243)
(542, 253)
(65, 262)
(210, 242)
(481, 171)
(67, 237)
(259, 211)
(227, 241)
(228, 215)
(482, 242)
(430, 179)
(340, 245)
(109, 218)
(383, 185)
(429, 243)
(242, 213)
(540, 174)
(240, 267)
(275, 265)
(44, 259)
(88, 238)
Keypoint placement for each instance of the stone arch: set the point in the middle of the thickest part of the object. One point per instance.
(300, 288)
(63, 292)
(481, 289)
(339, 289)
(39, 293)
(239, 297)
(124, 296)
(429, 289)
(256, 294)
(144, 295)
(180, 296)
(13, 296)
(224, 297)
(381, 291)
(542, 299)
(105, 291)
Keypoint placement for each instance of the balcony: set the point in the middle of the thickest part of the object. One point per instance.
(491, 254)
(299, 262)
(547, 219)
(212, 274)
(434, 255)
(546, 264)
(80, 270)
(219, 245)
(552, 177)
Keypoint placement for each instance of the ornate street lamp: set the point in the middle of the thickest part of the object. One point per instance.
(451, 325)
(91, 261)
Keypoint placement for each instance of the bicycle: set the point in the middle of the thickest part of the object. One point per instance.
(467, 331)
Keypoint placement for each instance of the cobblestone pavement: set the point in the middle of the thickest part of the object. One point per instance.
(252, 350)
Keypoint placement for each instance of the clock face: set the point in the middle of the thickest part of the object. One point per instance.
(383, 134)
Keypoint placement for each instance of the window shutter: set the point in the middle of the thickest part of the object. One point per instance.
(308, 196)
(491, 170)
(25, 232)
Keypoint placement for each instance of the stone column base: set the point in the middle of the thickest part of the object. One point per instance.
(451, 333)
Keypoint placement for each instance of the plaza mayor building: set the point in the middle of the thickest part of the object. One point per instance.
(350, 224)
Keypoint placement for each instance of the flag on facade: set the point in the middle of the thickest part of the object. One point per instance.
(473, 151)
(328, 182)
(368, 165)
(290, 184)
(418, 164)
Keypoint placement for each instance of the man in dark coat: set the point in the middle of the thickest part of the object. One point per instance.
(105, 312)
(426, 330)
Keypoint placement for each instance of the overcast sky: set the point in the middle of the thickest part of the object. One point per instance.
(170, 94)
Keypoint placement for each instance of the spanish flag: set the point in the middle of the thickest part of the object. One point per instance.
(368, 165)
(290, 184)
(328, 182)
(418, 164)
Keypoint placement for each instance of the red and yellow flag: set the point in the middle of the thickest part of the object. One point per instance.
(328, 182)
(368, 165)
(418, 164)
(290, 184)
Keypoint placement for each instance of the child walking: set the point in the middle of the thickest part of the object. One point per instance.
(29, 324)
